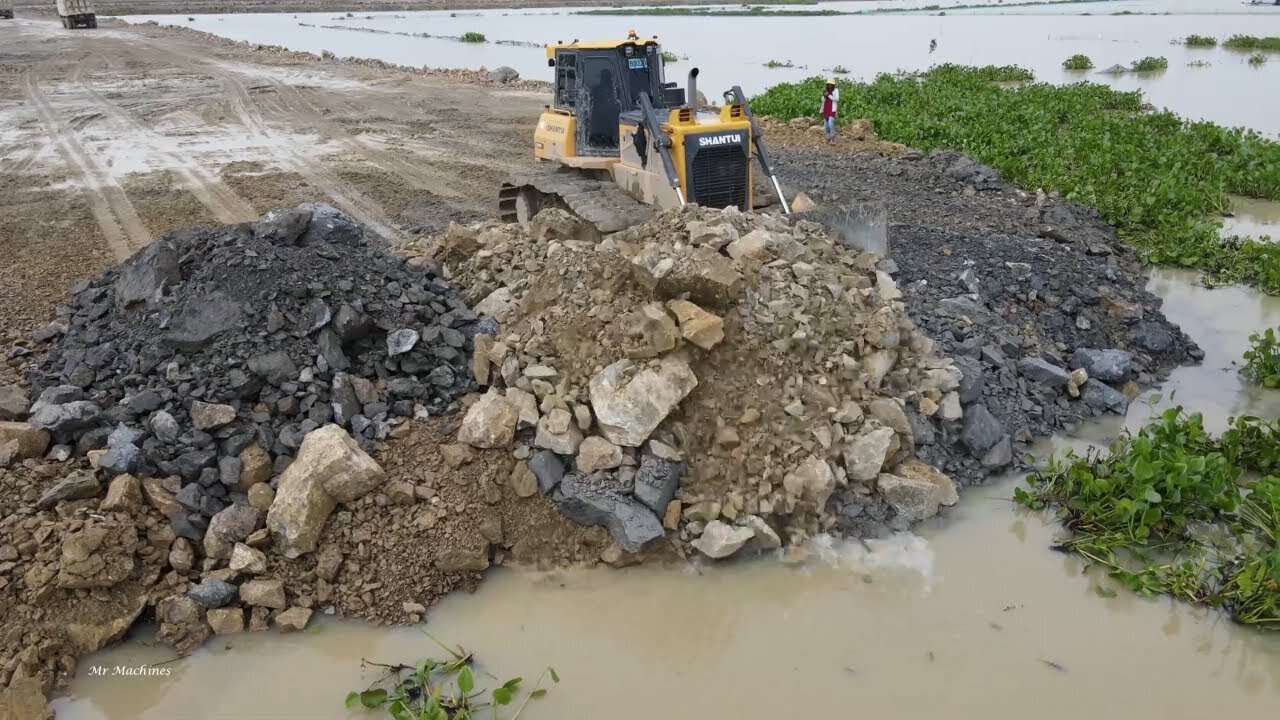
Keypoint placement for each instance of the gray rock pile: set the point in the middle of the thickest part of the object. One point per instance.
(202, 362)
(1043, 310)
(732, 378)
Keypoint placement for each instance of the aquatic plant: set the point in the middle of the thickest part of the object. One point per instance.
(1077, 62)
(1262, 359)
(779, 64)
(1200, 41)
(840, 70)
(1257, 59)
(669, 57)
(1150, 64)
(1164, 512)
(440, 690)
(1199, 64)
(473, 37)
(1250, 42)
(1091, 143)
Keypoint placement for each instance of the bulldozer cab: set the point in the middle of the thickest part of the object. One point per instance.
(597, 82)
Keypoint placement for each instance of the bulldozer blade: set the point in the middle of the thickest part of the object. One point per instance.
(863, 225)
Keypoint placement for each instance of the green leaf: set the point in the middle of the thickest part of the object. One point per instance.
(466, 683)
(1151, 495)
(538, 693)
(554, 676)
(375, 698)
(1105, 592)
(502, 696)
(513, 683)
(353, 700)
(1143, 470)
(399, 711)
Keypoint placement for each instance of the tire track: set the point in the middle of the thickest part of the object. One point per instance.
(220, 200)
(424, 178)
(116, 217)
(364, 209)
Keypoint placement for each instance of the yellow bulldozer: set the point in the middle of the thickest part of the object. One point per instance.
(619, 140)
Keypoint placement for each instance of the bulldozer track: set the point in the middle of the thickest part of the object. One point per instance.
(121, 226)
(249, 113)
(600, 202)
(220, 200)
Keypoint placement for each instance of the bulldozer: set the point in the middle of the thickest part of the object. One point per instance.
(619, 141)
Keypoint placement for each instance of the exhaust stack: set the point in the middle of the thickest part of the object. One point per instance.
(692, 100)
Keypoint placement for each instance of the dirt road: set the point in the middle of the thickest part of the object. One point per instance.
(110, 138)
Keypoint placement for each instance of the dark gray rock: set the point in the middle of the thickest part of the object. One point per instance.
(189, 525)
(351, 324)
(1111, 365)
(59, 395)
(442, 376)
(77, 486)
(1044, 372)
(61, 420)
(657, 481)
(1103, 397)
(144, 402)
(1000, 454)
(283, 227)
(189, 464)
(164, 427)
(315, 315)
(401, 341)
(121, 459)
(548, 468)
(331, 225)
(146, 274)
(972, 379)
(213, 593)
(202, 319)
(597, 500)
(94, 439)
(190, 496)
(980, 430)
(331, 350)
(1152, 336)
(229, 470)
(124, 435)
(275, 367)
(345, 403)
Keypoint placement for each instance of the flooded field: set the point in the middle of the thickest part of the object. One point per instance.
(733, 50)
(974, 615)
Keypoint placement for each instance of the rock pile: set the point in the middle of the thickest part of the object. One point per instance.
(203, 361)
(731, 376)
(1041, 307)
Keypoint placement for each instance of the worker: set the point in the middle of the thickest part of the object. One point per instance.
(933, 45)
(830, 97)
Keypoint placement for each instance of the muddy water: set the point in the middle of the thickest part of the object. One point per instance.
(733, 50)
(961, 620)
(1253, 218)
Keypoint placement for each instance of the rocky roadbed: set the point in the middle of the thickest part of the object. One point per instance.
(1021, 290)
